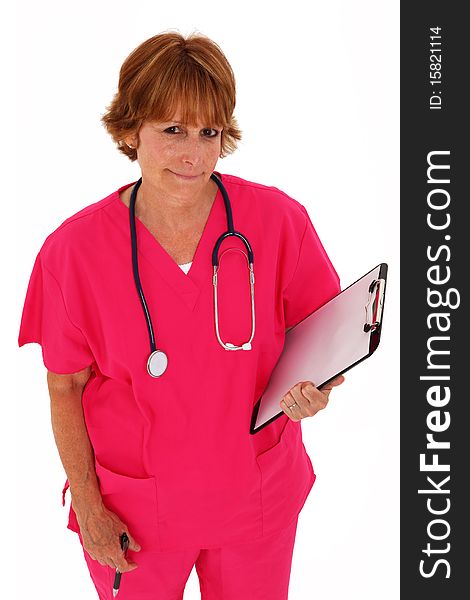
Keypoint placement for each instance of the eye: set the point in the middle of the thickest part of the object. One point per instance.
(168, 129)
(215, 132)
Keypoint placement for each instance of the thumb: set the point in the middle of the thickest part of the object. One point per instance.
(337, 381)
(331, 384)
(133, 545)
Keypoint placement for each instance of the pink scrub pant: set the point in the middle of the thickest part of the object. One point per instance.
(258, 570)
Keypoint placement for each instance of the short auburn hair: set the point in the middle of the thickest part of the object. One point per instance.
(168, 71)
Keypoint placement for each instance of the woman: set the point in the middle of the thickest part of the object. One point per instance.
(161, 450)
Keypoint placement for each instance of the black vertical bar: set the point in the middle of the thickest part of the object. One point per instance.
(435, 342)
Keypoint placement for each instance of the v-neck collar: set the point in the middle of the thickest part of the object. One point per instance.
(188, 285)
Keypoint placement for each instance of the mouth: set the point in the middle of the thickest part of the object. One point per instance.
(186, 177)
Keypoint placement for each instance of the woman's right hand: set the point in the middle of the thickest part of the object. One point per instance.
(100, 529)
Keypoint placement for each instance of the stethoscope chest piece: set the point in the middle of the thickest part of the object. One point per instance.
(157, 363)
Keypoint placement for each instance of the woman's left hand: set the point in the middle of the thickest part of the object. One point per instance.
(305, 400)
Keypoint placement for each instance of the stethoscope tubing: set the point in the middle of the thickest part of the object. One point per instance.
(135, 266)
(215, 263)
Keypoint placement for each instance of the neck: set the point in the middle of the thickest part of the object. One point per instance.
(169, 212)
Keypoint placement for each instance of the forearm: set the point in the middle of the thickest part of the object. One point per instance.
(73, 444)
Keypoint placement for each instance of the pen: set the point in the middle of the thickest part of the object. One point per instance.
(117, 578)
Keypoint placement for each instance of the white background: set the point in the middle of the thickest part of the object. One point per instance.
(318, 104)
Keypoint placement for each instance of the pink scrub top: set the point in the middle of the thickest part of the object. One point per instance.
(173, 455)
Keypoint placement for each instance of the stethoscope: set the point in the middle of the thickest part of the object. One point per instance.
(158, 361)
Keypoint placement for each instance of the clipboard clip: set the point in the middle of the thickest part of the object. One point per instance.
(374, 305)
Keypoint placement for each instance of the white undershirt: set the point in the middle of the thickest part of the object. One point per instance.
(186, 266)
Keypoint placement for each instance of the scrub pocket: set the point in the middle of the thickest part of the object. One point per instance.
(287, 477)
(133, 500)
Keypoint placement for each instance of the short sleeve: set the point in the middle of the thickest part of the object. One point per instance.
(314, 281)
(45, 321)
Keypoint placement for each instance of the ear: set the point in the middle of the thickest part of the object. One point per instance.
(129, 140)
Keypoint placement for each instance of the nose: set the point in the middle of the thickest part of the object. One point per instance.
(192, 151)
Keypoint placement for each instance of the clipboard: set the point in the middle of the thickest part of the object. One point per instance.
(333, 339)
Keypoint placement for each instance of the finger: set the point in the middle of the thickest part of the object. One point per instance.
(133, 545)
(302, 394)
(110, 562)
(290, 408)
(91, 554)
(94, 557)
(124, 565)
(313, 394)
(317, 399)
(308, 391)
(297, 404)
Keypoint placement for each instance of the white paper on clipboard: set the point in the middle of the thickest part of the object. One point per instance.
(330, 341)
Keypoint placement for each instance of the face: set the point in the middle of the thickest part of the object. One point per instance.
(175, 158)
